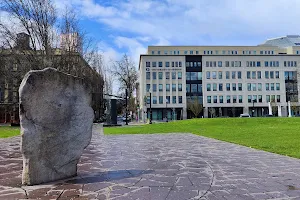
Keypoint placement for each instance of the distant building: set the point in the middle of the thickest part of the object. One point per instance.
(71, 42)
(15, 65)
(226, 80)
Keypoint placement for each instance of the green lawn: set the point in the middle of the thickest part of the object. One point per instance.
(7, 131)
(278, 135)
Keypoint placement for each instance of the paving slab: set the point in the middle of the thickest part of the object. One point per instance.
(159, 166)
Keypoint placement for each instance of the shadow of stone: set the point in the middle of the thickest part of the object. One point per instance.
(108, 176)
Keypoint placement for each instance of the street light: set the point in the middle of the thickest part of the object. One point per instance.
(167, 109)
(253, 101)
(150, 108)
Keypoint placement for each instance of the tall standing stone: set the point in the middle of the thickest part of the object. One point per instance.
(56, 124)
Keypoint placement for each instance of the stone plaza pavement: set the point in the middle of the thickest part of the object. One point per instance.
(159, 166)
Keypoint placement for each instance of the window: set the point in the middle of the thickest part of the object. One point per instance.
(158, 52)
(148, 99)
(200, 88)
(266, 74)
(240, 99)
(208, 99)
(188, 88)
(253, 86)
(258, 63)
(154, 88)
(233, 75)
(221, 99)
(228, 86)
(179, 75)
(284, 63)
(234, 86)
(232, 63)
(160, 75)
(153, 64)
(240, 86)
(179, 87)
(254, 98)
(215, 99)
(154, 100)
(214, 63)
(214, 87)
(271, 74)
(154, 75)
(160, 99)
(249, 98)
(207, 64)
(208, 87)
(254, 75)
(173, 87)
(194, 76)
(220, 75)
(272, 86)
(234, 99)
(176, 64)
(248, 75)
(194, 87)
(188, 76)
(267, 86)
(277, 74)
(214, 75)
(152, 52)
(197, 52)
(173, 64)
(219, 63)
(167, 75)
(268, 98)
(160, 64)
(173, 99)
(228, 99)
(148, 75)
(173, 75)
(185, 52)
(266, 64)
(199, 76)
(179, 99)
(227, 75)
(239, 75)
(167, 87)
(160, 87)
(277, 86)
(167, 64)
(249, 86)
(278, 98)
(259, 86)
(168, 99)
(259, 75)
(227, 63)
(260, 98)
(220, 86)
(147, 64)
(207, 75)
(148, 88)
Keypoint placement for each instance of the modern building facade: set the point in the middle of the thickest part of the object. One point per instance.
(226, 80)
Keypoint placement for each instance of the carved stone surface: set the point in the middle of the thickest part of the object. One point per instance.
(56, 124)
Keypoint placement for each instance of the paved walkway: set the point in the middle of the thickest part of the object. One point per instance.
(160, 166)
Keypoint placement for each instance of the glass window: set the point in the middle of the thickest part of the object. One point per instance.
(153, 64)
(267, 86)
(214, 87)
(234, 86)
(221, 99)
(208, 87)
(179, 99)
(148, 99)
(154, 75)
(260, 98)
(272, 86)
(148, 75)
(227, 75)
(228, 98)
(154, 100)
(199, 76)
(248, 75)
(254, 98)
(249, 98)
(187, 64)
(227, 63)
(239, 75)
(160, 64)
(147, 64)
(160, 99)
(232, 63)
(220, 86)
(167, 87)
(220, 75)
(173, 75)
(277, 86)
(259, 86)
(158, 52)
(188, 76)
(214, 63)
(148, 88)
(200, 88)
(249, 86)
(168, 99)
(154, 88)
(207, 75)
(234, 99)
(266, 64)
(278, 98)
(207, 64)
(240, 99)
(179, 87)
(268, 98)
(277, 74)
(173, 87)
(180, 64)
(176, 64)
(160, 87)
(258, 64)
(253, 86)
(254, 75)
(173, 99)
(152, 52)
(240, 86)
(173, 64)
(219, 63)
(259, 75)
(194, 76)
(167, 75)
(160, 75)
(271, 74)
(179, 75)
(228, 86)
(167, 64)
(194, 87)
(188, 88)
(273, 98)
(233, 75)
(266, 74)
(215, 99)
(208, 99)
(214, 75)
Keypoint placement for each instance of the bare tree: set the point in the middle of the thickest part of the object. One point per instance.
(274, 106)
(125, 72)
(194, 106)
(212, 112)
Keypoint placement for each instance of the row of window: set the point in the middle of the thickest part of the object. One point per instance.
(213, 75)
(167, 100)
(194, 88)
(220, 63)
(257, 74)
(268, 86)
(193, 76)
(210, 52)
(193, 64)
(160, 87)
(250, 63)
(167, 64)
(239, 99)
(219, 87)
(175, 75)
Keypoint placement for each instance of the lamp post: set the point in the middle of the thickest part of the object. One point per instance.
(253, 101)
(167, 109)
(150, 108)
(126, 110)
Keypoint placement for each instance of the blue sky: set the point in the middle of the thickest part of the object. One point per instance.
(129, 26)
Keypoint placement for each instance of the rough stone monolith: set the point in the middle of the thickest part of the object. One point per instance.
(56, 124)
